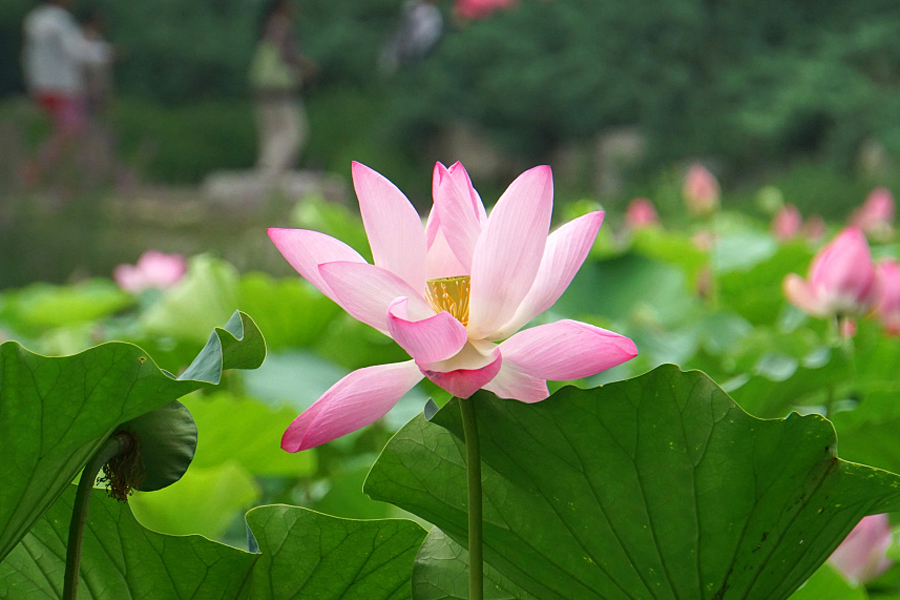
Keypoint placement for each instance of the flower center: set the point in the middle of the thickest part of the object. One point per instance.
(450, 294)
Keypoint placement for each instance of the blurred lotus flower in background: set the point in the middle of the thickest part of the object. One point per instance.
(787, 223)
(876, 216)
(841, 278)
(154, 270)
(847, 328)
(703, 240)
(641, 214)
(861, 556)
(448, 293)
(887, 300)
(480, 9)
(700, 191)
(815, 228)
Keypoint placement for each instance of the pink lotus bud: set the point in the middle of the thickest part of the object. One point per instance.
(700, 190)
(841, 278)
(861, 556)
(847, 328)
(153, 270)
(641, 214)
(887, 299)
(480, 9)
(876, 216)
(787, 223)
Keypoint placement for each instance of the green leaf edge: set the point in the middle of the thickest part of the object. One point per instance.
(239, 344)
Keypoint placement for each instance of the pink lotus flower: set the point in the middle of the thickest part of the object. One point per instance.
(861, 556)
(815, 229)
(153, 270)
(787, 223)
(841, 278)
(641, 214)
(887, 299)
(701, 190)
(876, 216)
(447, 294)
(480, 9)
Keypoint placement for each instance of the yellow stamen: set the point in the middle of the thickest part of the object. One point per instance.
(450, 294)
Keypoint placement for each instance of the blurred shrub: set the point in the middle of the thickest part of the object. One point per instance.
(744, 82)
(182, 144)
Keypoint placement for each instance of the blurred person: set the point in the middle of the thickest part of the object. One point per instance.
(98, 77)
(420, 29)
(98, 147)
(53, 59)
(277, 73)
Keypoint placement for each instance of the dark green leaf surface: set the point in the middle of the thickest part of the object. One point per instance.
(56, 411)
(442, 573)
(657, 487)
(303, 555)
(121, 559)
(310, 555)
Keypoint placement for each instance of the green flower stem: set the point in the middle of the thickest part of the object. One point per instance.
(473, 474)
(112, 447)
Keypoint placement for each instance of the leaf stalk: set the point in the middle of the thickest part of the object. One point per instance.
(112, 447)
(473, 476)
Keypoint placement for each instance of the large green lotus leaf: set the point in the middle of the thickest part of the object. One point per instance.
(57, 411)
(629, 287)
(441, 572)
(205, 296)
(670, 247)
(205, 501)
(42, 306)
(778, 381)
(306, 554)
(246, 431)
(741, 249)
(290, 311)
(756, 293)
(303, 555)
(656, 487)
(869, 432)
(121, 559)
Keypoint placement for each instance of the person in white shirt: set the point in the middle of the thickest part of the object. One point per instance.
(53, 60)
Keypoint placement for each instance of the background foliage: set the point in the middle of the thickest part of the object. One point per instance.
(752, 85)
